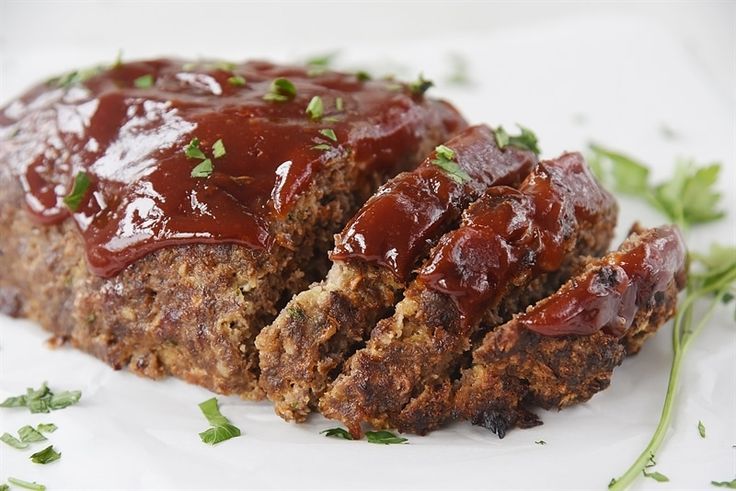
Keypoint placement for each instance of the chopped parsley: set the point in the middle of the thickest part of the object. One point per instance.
(701, 429)
(76, 76)
(9, 439)
(318, 65)
(540, 442)
(322, 146)
(236, 81)
(657, 476)
(384, 437)
(281, 89)
(445, 160)
(337, 433)
(221, 429)
(204, 168)
(74, 199)
(42, 400)
(420, 86)
(296, 313)
(34, 486)
(315, 108)
(28, 434)
(4, 487)
(527, 140)
(724, 484)
(362, 76)
(144, 81)
(45, 456)
(329, 133)
(339, 104)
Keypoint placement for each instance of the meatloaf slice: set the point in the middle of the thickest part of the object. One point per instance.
(199, 197)
(307, 343)
(563, 350)
(512, 247)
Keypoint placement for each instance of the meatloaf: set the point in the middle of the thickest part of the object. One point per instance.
(512, 247)
(374, 256)
(563, 350)
(158, 214)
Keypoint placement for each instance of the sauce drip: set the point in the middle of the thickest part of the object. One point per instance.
(407, 215)
(609, 295)
(509, 235)
(129, 138)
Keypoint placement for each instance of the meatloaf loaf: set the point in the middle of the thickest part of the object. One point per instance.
(157, 214)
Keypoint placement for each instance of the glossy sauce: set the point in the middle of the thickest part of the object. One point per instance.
(511, 234)
(397, 225)
(609, 296)
(130, 141)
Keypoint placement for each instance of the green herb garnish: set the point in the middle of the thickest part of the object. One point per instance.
(205, 167)
(4, 487)
(13, 441)
(445, 159)
(362, 76)
(322, 146)
(337, 433)
(329, 133)
(144, 81)
(221, 429)
(657, 476)
(688, 198)
(34, 486)
(420, 86)
(315, 108)
(712, 282)
(76, 76)
(42, 400)
(236, 81)
(339, 104)
(28, 434)
(540, 442)
(79, 189)
(318, 65)
(45, 456)
(46, 427)
(384, 437)
(296, 313)
(724, 484)
(526, 140)
(701, 429)
(281, 89)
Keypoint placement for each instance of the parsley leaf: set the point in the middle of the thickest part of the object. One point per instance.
(64, 399)
(13, 441)
(45, 456)
(329, 133)
(724, 484)
(701, 429)
(28, 434)
(687, 198)
(337, 433)
(144, 81)
(540, 442)
(315, 108)
(420, 86)
(281, 89)
(236, 81)
(383, 437)
(362, 76)
(4, 487)
(34, 486)
(74, 199)
(657, 476)
(193, 151)
(445, 160)
(218, 149)
(339, 104)
(203, 169)
(221, 429)
(46, 427)
(526, 140)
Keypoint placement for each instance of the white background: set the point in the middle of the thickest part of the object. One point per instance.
(610, 72)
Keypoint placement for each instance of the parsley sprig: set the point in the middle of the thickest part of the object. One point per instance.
(687, 198)
(713, 281)
(221, 429)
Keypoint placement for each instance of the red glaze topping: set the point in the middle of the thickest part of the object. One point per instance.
(609, 295)
(510, 234)
(130, 141)
(407, 215)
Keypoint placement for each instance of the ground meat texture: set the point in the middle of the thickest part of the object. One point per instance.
(304, 348)
(185, 308)
(512, 247)
(552, 359)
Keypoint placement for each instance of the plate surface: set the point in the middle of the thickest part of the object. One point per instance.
(617, 81)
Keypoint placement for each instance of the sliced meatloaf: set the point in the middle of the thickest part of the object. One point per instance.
(374, 256)
(157, 214)
(511, 248)
(563, 350)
